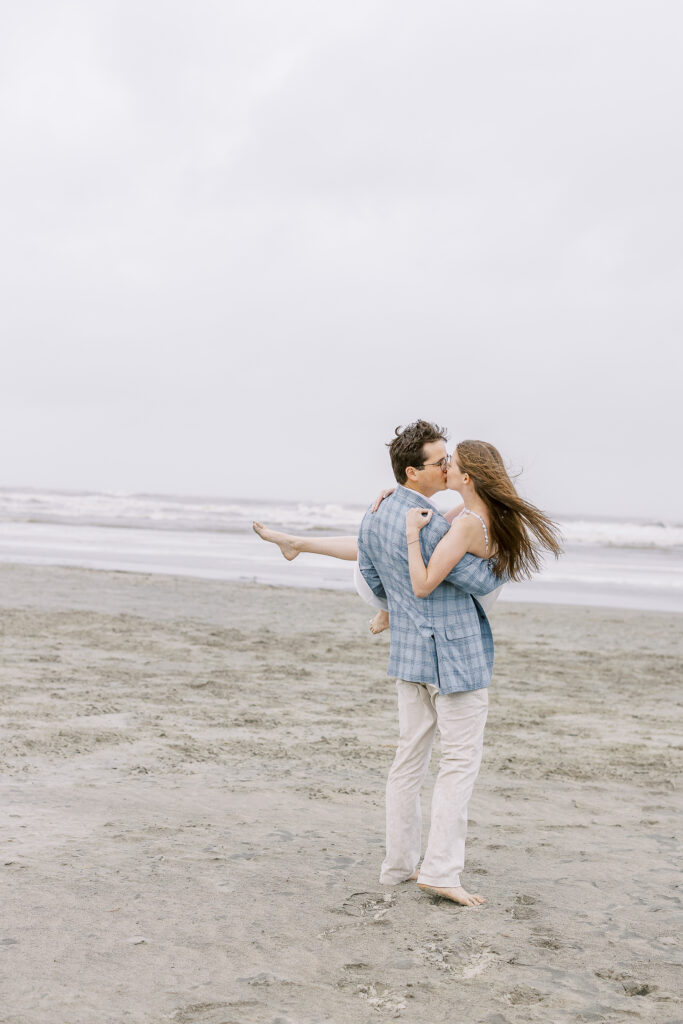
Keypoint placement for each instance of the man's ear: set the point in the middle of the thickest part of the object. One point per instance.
(411, 473)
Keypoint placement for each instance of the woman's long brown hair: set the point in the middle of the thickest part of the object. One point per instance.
(519, 530)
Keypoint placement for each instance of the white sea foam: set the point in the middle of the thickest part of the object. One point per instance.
(224, 515)
(172, 513)
(624, 534)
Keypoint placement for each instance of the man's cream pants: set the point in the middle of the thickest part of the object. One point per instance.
(460, 718)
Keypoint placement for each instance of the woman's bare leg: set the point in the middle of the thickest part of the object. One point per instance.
(291, 546)
(336, 547)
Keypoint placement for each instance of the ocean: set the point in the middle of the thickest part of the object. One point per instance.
(620, 563)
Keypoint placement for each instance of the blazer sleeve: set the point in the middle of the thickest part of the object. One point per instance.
(367, 568)
(471, 574)
(474, 576)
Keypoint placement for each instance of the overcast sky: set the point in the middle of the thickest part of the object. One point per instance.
(242, 241)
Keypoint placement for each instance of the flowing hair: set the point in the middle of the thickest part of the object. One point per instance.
(519, 530)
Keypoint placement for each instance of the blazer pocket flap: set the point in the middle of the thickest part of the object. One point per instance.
(459, 630)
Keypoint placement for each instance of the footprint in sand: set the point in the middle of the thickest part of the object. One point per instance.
(632, 986)
(281, 835)
(372, 905)
(465, 956)
(357, 965)
(524, 995)
(209, 1013)
(546, 942)
(381, 997)
(638, 988)
(523, 908)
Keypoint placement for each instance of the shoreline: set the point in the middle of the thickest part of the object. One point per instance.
(251, 582)
(647, 579)
(503, 601)
(193, 812)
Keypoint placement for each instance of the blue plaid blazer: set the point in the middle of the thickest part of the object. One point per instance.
(445, 638)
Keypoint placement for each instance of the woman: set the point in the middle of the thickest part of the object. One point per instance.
(493, 522)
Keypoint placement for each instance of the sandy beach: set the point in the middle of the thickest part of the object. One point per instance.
(193, 814)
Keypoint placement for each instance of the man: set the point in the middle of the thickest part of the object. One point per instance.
(441, 654)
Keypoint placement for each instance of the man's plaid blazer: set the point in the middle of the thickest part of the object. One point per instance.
(445, 638)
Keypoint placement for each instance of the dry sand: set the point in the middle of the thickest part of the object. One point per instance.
(193, 815)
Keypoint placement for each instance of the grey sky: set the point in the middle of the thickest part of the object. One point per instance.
(243, 240)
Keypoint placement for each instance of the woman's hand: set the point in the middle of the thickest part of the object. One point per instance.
(380, 498)
(416, 518)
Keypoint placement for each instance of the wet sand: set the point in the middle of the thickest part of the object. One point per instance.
(193, 814)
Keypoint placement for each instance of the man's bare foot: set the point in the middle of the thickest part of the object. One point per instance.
(380, 621)
(415, 875)
(457, 894)
(284, 541)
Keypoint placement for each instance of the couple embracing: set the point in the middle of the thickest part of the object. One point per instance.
(433, 574)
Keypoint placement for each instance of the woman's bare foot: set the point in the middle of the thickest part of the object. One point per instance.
(380, 621)
(457, 894)
(285, 542)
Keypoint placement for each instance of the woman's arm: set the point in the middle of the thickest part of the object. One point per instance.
(447, 553)
(380, 498)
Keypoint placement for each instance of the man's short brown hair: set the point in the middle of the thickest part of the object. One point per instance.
(406, 448)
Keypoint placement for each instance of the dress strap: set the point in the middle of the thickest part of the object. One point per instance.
(469, 512)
